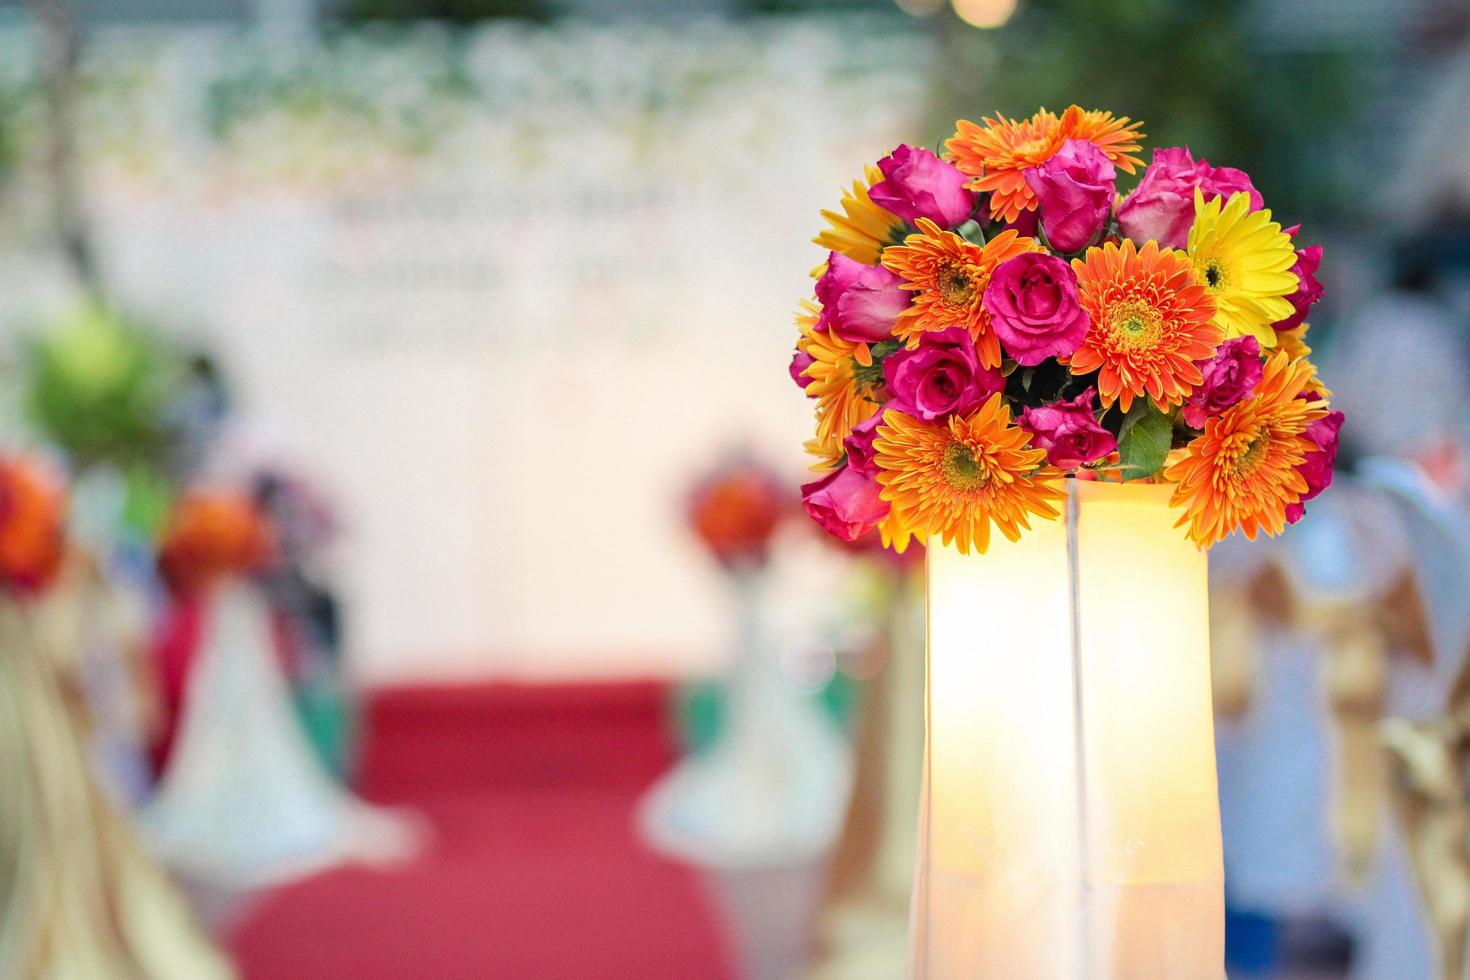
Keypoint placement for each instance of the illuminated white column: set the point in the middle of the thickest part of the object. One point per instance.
(1070, 823)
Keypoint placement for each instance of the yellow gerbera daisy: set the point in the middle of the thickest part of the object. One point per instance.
(955, 480)
(998, 153)
(843, 377)
(1150, 322)
(1242, 470)
(862, 228)
(1244, 259)
(949, 275)
(895, 533)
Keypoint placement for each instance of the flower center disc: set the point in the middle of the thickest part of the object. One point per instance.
(955, 287)
(1214, 275)
(1136, 324)
(1255, 451)
(962, 470)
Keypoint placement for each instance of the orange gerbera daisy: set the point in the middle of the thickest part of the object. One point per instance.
(861, 229)
(843, 378)
(955, 480)
(998, 153)
(1242, 471)
(1151, 320)
(950, 275)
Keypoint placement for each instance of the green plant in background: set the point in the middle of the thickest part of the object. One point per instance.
(98, 386)
(1195, 71)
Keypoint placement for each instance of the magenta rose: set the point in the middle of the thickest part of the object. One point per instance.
(939, 377)
(1068, 431)
(1228, 377)
(1026, 224)
(1161, 207)
(800, 361)
(1317, 467)
(1075, 188)
(917, 184)
(859, 446)
(859, 302)
(1032, 302)
(845, 503)
(1308, 287)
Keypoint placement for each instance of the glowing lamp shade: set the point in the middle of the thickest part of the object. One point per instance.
(1070, 820)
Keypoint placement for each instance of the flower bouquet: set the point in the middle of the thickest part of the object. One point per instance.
(735, 510)
(211, 536)
(32, 527)
(996, 318)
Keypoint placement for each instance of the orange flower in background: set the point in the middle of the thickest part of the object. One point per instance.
(954, 480)
(1151, 320)
(1243, 470)
(843, 377)
(949, 276)
(736, 510)
(862, 228)
(998, 153)
(32, 526)
(212, 535)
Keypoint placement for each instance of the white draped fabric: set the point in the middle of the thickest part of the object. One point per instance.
(245, 802)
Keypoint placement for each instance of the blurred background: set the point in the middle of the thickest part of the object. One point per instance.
(452, 334)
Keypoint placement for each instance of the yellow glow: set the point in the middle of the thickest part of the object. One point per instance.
(1018, 876)
(984, 13)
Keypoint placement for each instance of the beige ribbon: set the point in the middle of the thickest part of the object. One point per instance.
(1358, 639)
(1427, 760)
(1354, 678)
(79, 897)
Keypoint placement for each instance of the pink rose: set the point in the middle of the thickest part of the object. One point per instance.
(845, 503)
(1161, 207)
(1317, 467)
(939, 377)
(859, 446)
(1025, 225)
(1228, 377)
(1308, 287)
(800, 361)
(859, 302)
(1068, 431)
(1032, 301)
(917, 184)
(1075, 188)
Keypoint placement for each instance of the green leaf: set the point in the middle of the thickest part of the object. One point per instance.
(1143, 440)
(970, 232)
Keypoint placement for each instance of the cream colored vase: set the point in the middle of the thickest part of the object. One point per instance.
(1069, 824)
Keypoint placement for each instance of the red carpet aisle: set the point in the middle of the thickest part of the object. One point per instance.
(534, 872)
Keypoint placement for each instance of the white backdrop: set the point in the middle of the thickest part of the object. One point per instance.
(500, 312)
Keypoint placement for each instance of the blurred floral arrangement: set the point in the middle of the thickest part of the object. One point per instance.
(98, 386)
(735, 511)
(211, 535)
(997, 318)
(32, 526)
